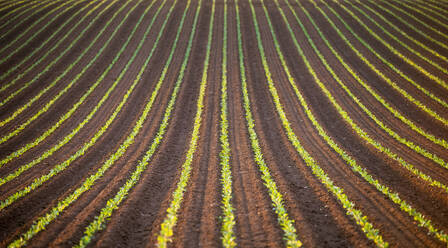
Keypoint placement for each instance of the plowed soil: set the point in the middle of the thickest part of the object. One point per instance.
(319, 218)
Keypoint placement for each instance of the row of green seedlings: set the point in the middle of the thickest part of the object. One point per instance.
(54, 34)
(48, 51)
(67, 138)
(9, 4)
(42, 222)
(286, 224)
(407, 8)
(168, 224)
(395, 135)
(423, 5)
(409, 25)
(391, 109)
(396, 28)
(29, 8)
(434, 8)
(436, 79)
(59, 10)
(404, 93)
(6, 73)
(62, 166)
(369, 230)
(100, 221)
(43, 7)
(413, 17)
(70, 112)
(399, 54)
(60, 76)
(228, 217)
(48, 66)
(439, 2)
(369, 139)
(395, 112)
(393, 196)
(399, 72)
(23, 73)
(23, 44)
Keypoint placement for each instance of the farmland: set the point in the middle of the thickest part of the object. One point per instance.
(224, 123)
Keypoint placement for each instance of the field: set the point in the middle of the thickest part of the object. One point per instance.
(223, 123)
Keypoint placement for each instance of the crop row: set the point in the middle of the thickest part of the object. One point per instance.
(170, 220)
(59, 10)
(286, 224)
(43, 221)
(389, 81)
(29, 55)
(430, 17)
(363, 134)
(403, 205)
(26, 6)
(62, 166)
(228, 219)
(411, 26)
(362, 220)
(42, 92)
(395, 27)
(383, 126)
(92, 113)
(408, 60)
(72, 110)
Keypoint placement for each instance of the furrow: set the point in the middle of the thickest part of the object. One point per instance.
(389, 81)
(62, 166)
(370, 231)
(47, 106)
(166, 229)
(30, 55)
(393, 196)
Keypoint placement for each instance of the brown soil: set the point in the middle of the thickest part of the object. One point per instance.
(319, 218)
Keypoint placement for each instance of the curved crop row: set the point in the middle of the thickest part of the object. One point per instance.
(69, 85)
(378, 72)
(11, 3)
(396, 52)
(393, 196)
(43, 6)
(430, 17)
(426, 25)
(43, 221)
(8, 4)
(228, 217)
(422, 151)
(361, 133)
(29, 56)
(47, 39)
(56, 10)
(3, 75)
(370, 231)
(399, 72)
(29, 8)
(423, 5)
(432, 7)
(420, 44)
(391, 109)
(412, 27)
(99, 222)
(19, 76)
(286, 224)
(67, 138)
(62, 166)
(166, 229)
(70, 112)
